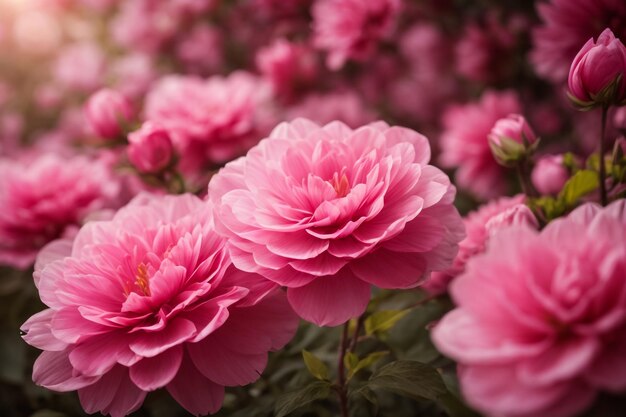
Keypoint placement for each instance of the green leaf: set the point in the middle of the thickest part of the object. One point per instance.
(350, 361)
(316, 367)
(293, 400)
(366, 362)
(383, 320)
(409, 379)
(582, 183)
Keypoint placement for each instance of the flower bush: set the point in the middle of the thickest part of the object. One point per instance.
(312, 208)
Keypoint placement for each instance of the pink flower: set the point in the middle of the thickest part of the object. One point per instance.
(351, 29)
(213, 120)
(512, 140)
(80, 67)
(540, 323)
(150, 149)
(597, 74)
(330, 211)
(148, 300)
(346, 106)
(45, 195)
(465, 146)
(201, 50)
(480, 225)
(549, 174)
(288, 66)
(568, 24)
(133, 74)
(106, 112)
(514, 127)
(485, 51)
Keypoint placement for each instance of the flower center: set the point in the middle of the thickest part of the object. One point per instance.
(142, 280)
(340, 184)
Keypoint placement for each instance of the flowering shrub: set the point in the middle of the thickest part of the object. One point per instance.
(312, 208)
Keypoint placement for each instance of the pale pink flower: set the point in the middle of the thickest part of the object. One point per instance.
(80, 67)
(148, 300)
(328, 212)
(133, 74)
(549, 174)
(568, 24)
(465, 146)
(346, 106)
(212, 120)
(288, 66)
(44, 195)
(351, 29)
(540, 323)
(480, 225)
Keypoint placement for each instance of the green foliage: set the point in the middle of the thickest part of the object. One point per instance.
(382, 321)
(293, 400)
(354, 365)
(409, 379)
(581, 184)
(316, 367)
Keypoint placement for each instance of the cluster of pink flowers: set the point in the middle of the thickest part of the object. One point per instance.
(190, 178)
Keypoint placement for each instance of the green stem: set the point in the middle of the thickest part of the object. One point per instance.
(342, 390)
(522, 176)
(603, 195)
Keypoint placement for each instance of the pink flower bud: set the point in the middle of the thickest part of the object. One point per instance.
(106, 111)
(150, 149)
(619, 118)
(597, 74)
(511, 139)
(550, 174)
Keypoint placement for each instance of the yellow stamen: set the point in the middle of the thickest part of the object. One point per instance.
(142, 279)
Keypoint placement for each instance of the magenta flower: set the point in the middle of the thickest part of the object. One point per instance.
(213, 120)
(150, 148)
(480, 225)
(568, 24)
(106, 112)
(43, 197)
(597, 73)
(465, 146)
(149, 300)
(328, 212)
(351, 29)
(540, 323)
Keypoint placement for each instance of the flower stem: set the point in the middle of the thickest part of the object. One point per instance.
(342, 390)
(522, 176)
(603, 196)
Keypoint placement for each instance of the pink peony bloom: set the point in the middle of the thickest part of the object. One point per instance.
(150, 148)
(288, 66)
(43, 196)
(540, 323)
(568, 24)
(465, 146)
(213, 120)
(345, 106)
(480, 225)
(351, 29)
(106, 112)
(330, 211)
(597, 73)
(147, 300)
(549, 174)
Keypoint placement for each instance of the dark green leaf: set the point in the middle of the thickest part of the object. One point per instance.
(293, 400)
(409, 379)
(316, 367)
